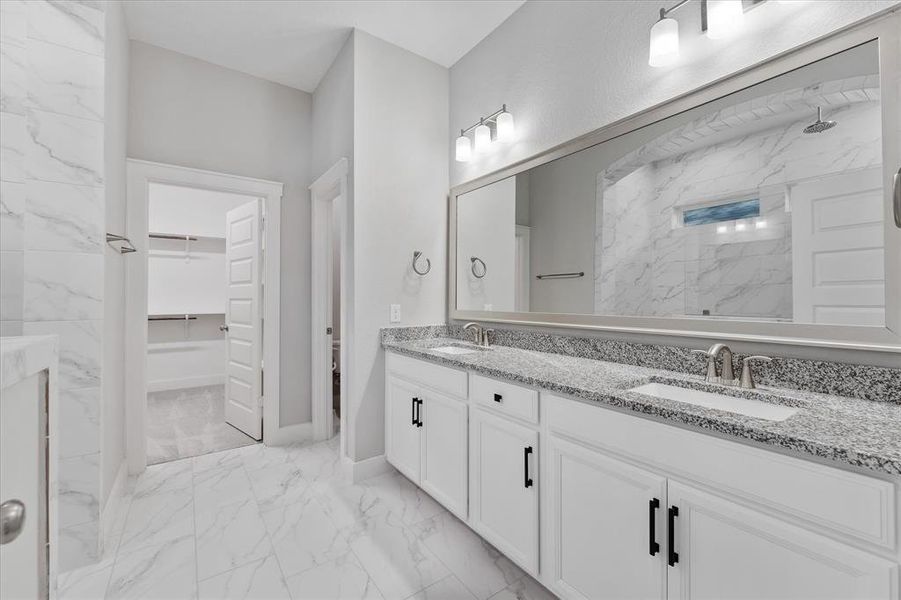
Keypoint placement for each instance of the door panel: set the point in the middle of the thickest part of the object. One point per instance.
(243, 258)
(444, 451)
(504, 496)
(728, 551)
(600, 528)
(402, 435)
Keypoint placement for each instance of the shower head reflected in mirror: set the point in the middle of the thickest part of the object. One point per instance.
(820, 125)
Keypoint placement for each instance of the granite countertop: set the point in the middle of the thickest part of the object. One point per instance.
(23, 356)
(860, 433)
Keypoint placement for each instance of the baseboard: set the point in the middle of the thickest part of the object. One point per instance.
(364, 469)
(111, 523)
(289, 435)
(161, 385)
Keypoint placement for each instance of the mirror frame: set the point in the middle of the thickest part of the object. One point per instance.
(884, 28)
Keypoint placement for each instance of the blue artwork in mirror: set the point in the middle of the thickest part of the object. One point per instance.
(731, 211)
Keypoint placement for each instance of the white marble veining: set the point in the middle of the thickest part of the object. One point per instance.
(13, 142)
(22, 357)
(70, 23)
(63, 287)
(61, 217)
(64, 149)
(13, 26)
(376, 539)
(79, 489)
(81, 413)
(12, 269)
(80, 355)
(12, 216)
(63, 81)
(12, 78)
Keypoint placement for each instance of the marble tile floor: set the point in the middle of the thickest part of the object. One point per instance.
(283, 524)
(189, 422)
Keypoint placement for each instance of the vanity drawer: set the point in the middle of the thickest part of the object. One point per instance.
(443, 379)
(823, 497)
(507, 398)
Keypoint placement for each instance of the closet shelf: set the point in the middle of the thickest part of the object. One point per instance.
(181, 316)
(183, 237)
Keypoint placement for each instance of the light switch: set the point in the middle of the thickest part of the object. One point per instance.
(394, 313)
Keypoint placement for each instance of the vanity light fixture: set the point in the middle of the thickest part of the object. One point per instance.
(719, 19)
(498, 126)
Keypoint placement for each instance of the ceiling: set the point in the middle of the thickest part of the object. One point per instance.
(294, 42)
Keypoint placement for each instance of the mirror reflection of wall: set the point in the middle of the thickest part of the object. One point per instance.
(751, 207)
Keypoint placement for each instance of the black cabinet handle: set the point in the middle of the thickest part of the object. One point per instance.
(653, 546)
(525, 465)
(419, 412)
(672, 513)
(413, 408)
(498, 397)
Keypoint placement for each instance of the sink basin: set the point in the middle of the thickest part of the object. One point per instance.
(742, 406)
(458, 349)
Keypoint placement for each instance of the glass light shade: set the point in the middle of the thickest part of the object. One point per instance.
(724, 17)
(482, 138)
(506, 130)
(664, 43)
(464, 149)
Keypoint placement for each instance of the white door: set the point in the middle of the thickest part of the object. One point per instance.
(243, 319)
(23, 560)
(838, 267)
(607, 530)
(728, 551)
(503, 472)
(444, 451)
(402, 428)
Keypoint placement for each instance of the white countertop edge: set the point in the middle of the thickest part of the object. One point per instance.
(23, 356)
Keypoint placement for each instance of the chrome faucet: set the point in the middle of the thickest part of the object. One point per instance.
(725, 376)
(482, 334)
(747, 377)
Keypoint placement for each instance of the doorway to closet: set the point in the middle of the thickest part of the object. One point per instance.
(204, 330)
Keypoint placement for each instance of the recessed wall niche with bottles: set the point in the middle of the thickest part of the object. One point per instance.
(758, 208)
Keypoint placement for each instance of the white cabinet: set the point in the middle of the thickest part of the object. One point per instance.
(503, 469)
(725, 550)
(425, 439)
(607, 521)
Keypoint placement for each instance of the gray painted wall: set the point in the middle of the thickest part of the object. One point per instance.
(189, 112)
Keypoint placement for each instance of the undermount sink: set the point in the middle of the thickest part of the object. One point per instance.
(742, 406)
(455, 349)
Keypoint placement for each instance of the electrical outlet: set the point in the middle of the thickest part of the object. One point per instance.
(394, 313)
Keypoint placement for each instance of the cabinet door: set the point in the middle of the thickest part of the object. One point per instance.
(606, 533)
(504, 486)
(444, 451)
(728, 551)
(402, 432)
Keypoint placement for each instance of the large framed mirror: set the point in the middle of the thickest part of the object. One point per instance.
(758, 208)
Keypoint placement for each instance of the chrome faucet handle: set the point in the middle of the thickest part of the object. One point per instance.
(711, 376)
(747, 377)
(486, 337)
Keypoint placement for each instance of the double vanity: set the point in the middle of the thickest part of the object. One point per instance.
(608, 480)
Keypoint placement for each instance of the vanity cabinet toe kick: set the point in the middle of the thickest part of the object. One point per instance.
(596, 503)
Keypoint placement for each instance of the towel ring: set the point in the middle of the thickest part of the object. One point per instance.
(475, 259)
(428, 263)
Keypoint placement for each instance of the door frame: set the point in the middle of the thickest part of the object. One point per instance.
(328, 199)
(140, 174)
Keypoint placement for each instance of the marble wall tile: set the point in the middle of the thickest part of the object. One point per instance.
(80, 353)
(64, 149)
(13, 142)
(12, 78)
(63, 217)
(79, 488)
(78, 546)
(13, 27)
(68, 23)
(79, 412)
(60, 286)
(11, 277)
(65, 81)
(12, 216)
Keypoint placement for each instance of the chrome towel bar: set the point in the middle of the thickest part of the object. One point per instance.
(573, 275)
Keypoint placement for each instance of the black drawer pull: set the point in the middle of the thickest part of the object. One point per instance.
(498, 397)
(413, 407)
(672, 513)
(525, 461)
(419, 412)
(653, 546)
